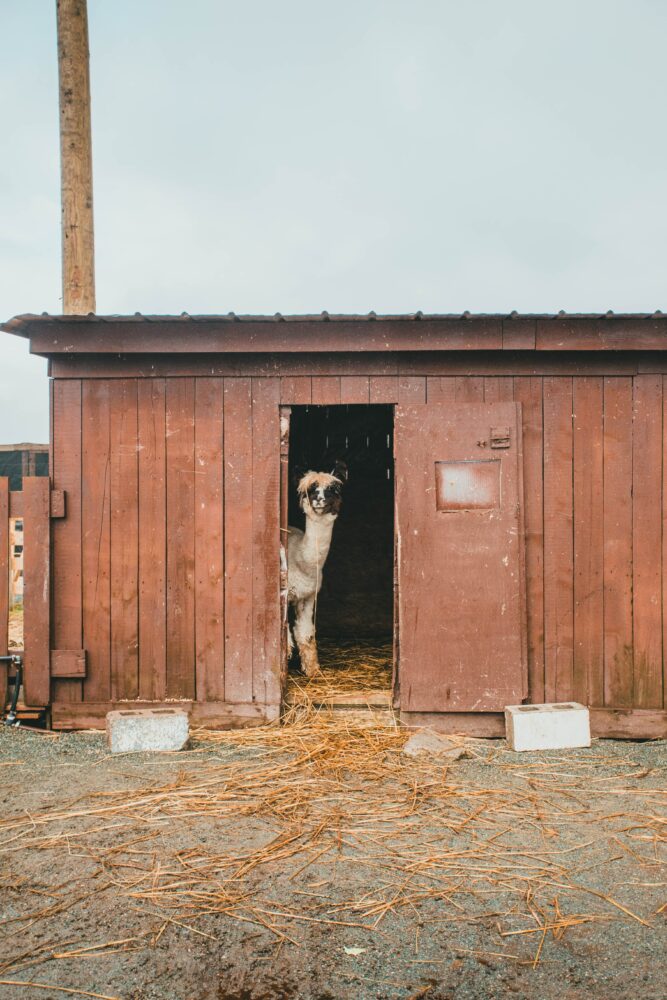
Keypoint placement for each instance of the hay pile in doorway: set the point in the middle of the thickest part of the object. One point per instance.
(348, 667)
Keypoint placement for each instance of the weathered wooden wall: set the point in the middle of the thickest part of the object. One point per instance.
(166, 566)
(166, 563)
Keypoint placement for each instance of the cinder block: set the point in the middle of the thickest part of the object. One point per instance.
(130, 730)
(547, 727)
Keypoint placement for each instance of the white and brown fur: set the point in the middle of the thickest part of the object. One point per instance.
(320, 498)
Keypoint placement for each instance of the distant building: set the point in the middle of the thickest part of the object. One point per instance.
(19, 460)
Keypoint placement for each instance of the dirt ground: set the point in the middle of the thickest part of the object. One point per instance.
(317, 861)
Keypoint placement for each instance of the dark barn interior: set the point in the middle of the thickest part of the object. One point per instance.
(355, 605)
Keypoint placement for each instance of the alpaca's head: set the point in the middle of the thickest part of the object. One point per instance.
(321, 493)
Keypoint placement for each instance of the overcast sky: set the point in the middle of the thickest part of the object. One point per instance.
(365, 154)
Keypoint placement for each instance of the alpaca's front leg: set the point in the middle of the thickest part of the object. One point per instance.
(304, 633)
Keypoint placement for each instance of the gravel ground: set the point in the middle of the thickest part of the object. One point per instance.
(315, 863)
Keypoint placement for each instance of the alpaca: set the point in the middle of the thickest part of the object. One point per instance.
(320, 497)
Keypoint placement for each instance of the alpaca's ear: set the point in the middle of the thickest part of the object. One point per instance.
(340, 471)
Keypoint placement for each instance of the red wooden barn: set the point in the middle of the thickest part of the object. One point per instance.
(504, 516)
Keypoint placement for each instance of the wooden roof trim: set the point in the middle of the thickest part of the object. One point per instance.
(54, 336)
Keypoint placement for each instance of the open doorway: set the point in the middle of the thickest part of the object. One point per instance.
(354, 609)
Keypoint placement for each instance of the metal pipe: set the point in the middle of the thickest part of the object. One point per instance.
(17, 661)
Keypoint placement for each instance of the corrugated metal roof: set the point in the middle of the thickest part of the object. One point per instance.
(18, 324)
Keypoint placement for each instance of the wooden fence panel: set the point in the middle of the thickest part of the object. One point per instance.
(37, 589)
(66, 532)
(4, 570)
(664, 540)
(95, 540)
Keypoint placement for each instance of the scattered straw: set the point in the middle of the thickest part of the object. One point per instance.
(346, 832)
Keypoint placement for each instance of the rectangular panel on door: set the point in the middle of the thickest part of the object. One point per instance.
(459, 520)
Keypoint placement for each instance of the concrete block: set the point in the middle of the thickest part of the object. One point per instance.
(547, 727)
(427, 742)
(131, 730)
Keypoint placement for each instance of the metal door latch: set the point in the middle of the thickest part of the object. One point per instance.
(500, 437)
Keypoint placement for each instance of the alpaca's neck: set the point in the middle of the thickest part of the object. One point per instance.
(317, 538)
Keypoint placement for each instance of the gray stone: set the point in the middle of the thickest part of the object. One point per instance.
(426, 741)
(134, 730)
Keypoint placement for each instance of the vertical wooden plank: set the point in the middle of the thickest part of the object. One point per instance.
(296, 390)
(238, 539)
(588, 543)
(209, 541)
(498, 390)
(96, 538)
(664, 539)
(412, 389)
(469, 389)
(124, 539)
(440, 389)
(355, 389)
(180, 538)
(528, 392)
(647, 540)
(66, 531)
(326, 390)
(617, 465)
(285, 421)
(383, 389)
(558, 540)
(152, 539)
(265, 541)
(4, 569)
(37, 589)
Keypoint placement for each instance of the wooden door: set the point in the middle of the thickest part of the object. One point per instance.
(285, 415)
(460, 557)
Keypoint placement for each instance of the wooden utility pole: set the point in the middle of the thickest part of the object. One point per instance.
(76, 161)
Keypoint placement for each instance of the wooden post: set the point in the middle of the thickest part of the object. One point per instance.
(37, 590)
(76, 166)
